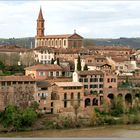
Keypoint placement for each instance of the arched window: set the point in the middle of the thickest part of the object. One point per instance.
(72, 96)
(65, 95)
(78, 95)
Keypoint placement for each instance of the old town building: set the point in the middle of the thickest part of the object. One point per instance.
(44, 71)
(16, 90)
(57, 41)
(59, 97)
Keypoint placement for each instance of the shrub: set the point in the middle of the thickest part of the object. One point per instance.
(17, 117)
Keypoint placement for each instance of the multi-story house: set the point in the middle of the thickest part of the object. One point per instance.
(68, 96)
(44, 55)
(16, 90)
(44, 71)
(93, 82)
(59, 97)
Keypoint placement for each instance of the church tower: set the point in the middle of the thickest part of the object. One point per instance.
(40, 24)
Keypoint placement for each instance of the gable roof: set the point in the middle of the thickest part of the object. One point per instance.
(68, 84)
(45, 67)
(90, 72)
(16, 78)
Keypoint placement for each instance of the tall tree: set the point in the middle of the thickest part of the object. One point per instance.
(85, 67)
(52, 61)
(58, 63)
(79, 64)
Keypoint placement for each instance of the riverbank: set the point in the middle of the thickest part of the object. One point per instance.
(123, 131)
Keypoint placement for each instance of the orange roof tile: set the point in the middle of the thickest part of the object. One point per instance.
(46, 67)
(90, 72)
(16, 78)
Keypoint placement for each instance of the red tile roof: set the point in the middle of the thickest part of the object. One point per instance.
(90, 72)
(46, 67)
(16, 78)
(58, 36)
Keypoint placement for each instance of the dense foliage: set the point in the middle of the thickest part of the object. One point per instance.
(79, 64)
(10, 70)
(18, 118)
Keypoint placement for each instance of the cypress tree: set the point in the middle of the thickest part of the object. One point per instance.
(58, 63)
(52, 61)
(85, 67)
(79, 64)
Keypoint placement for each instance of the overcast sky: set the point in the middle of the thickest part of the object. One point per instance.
(91, 19)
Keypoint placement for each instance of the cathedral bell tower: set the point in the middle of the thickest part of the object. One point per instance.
(40, 24)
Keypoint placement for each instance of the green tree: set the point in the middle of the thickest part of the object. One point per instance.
(116, 108)
(18, 118)
(79, 64)
(85, 67)
(35, 105)
(7, 116)
(2, 66)
(52, 61)
(28, 117)
(58, 62)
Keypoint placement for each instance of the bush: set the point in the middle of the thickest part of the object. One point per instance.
(116, 108)
(17, 117)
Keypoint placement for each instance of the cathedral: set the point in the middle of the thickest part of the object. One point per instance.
(56, 41)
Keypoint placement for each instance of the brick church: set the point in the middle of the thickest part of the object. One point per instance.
(56, 41)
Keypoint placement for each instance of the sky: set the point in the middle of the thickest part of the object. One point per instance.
(90, 19)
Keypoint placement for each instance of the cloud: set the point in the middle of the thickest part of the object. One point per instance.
(90, 19)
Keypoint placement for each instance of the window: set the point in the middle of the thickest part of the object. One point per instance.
(91, 86)
(100, 91)
(65, 104)
(65, 96)
(3, 83)
(78, 95)
(51, 104)
(108, 80)
(72, 96)
(64, 42)
(101, 79)
(89, 61)
(91, 79)
(8, 83)
(80, 79)
(110, 87)
(101, 86)
(41, 73)
(95, 86)
(96, 79)
(57, 73)
(85, 79)
(51, 73)
(85, 86)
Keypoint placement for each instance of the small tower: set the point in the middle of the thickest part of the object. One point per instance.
(40, 24)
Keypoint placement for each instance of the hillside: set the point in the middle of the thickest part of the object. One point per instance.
(29, 42)
(131, 42)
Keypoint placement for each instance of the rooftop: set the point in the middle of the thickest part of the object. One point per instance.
(90, 72)
(46, 67)
(16, 78)
(68, 84)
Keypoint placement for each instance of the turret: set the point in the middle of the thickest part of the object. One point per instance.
(40, 24)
